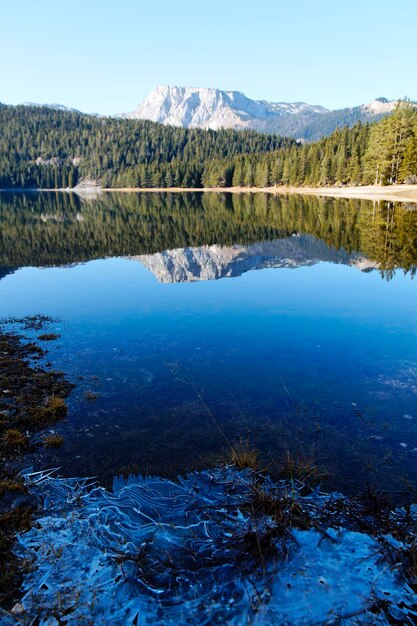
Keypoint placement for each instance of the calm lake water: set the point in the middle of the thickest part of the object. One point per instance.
(190, 322)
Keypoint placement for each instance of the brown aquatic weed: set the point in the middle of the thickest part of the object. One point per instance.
(54, 409)
(11, 484)
(14, 438)
(53, 441)
(90, 395)
(48, 337)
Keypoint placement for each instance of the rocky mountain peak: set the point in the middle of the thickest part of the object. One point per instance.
(207, 107)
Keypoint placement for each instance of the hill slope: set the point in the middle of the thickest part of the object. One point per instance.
(382, 153)
(42, 147)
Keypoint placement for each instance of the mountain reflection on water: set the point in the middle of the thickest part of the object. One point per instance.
(214, 262)
(315, 357)
(44, 229)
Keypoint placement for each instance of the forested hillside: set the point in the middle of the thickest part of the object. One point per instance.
(381, 153)
(45, 148)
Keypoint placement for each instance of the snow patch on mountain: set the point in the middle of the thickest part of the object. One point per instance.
(56, 106)
(380, 106)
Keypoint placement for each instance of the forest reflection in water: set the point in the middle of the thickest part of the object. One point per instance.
(44, 229)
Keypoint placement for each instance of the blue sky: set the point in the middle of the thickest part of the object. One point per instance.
(105, 56)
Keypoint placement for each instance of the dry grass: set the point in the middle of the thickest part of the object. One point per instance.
(11, 569)
(242, 456)
(302, 468)
(39, 416)
(57, 406)
(32, 399)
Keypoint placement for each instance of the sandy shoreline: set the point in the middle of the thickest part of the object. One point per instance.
(393, 193)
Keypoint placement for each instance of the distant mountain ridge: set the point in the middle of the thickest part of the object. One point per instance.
(210, 108)
(54, 105)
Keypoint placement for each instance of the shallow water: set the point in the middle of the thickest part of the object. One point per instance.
(190, 322)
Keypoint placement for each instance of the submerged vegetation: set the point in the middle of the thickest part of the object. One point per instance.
(32, 398)
(53, 441)
(44, 148)
(14, 439)
(48, 337)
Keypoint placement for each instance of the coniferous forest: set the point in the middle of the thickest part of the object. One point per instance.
(381, 153)
(45, 148)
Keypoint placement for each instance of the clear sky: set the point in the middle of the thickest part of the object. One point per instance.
(106, 55)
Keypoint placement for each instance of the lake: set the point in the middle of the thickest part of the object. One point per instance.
(194, 323)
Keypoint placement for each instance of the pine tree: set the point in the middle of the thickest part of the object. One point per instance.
(377, 158)
(261, 178)
(408, 168)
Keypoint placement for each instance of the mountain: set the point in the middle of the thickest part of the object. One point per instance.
(213, 108)
(55, 106)
(210, 108)
(195, 107)
(185, 265)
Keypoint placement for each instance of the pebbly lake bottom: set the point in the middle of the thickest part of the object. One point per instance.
(315, 368)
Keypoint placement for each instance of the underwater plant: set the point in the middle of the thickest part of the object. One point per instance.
(14, 438)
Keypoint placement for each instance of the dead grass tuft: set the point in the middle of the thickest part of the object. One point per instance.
(242, 456)
(301, 468)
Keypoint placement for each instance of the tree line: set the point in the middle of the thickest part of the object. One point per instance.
(45, 148)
